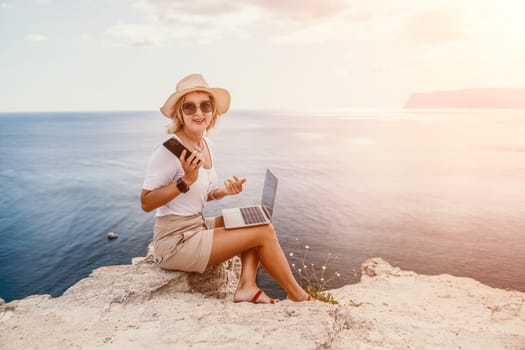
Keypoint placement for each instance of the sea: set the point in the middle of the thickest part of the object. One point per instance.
(431, 191)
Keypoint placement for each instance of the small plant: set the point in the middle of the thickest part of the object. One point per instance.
(312, 277)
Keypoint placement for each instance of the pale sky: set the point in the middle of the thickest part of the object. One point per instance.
(63, 55)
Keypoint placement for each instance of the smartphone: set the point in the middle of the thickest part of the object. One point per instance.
(176, 148)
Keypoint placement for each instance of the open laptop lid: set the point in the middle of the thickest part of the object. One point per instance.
(269, 192)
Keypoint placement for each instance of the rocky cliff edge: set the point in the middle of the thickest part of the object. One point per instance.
(140, 306)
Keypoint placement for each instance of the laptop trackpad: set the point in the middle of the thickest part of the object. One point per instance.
(232, 218)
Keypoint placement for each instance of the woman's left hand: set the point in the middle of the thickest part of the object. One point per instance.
(233, 186)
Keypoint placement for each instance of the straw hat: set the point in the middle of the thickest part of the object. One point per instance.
(195, 82)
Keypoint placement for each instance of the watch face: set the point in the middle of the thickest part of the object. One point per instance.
(182, 186)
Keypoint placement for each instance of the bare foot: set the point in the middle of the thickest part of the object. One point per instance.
(306, 297)
(253, 295)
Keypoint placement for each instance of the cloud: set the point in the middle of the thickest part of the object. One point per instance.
(314, 33)
(380, 20)
(290, 9)
(143, 43)
(133, 33)
(165, 9)
(432, 27)
(4, 5)
(302, 9)
(203, 21)
(198, 22)
(355, 24)
(36, 37)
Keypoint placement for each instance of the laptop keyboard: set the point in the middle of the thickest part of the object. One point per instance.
(252, 215)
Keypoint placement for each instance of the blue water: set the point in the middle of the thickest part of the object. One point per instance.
(430, 191)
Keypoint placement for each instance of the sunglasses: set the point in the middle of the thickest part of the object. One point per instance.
(189, 108)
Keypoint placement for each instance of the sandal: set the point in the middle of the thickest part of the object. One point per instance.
(257, 295)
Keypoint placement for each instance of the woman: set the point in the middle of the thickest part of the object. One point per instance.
(179, 188)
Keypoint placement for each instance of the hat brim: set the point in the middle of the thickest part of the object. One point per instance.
(221, 97)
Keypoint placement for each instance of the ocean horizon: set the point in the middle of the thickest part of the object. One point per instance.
(433, 191)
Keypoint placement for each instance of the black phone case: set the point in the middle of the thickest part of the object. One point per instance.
(176, 148)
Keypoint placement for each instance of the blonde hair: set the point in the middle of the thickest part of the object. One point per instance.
(177, 121)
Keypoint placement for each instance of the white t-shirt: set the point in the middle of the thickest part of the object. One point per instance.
(164, 167)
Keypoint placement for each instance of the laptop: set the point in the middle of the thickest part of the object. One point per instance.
(254, 215)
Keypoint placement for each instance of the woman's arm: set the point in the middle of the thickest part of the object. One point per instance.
(216, 194)
(231, 187)
(152, 199)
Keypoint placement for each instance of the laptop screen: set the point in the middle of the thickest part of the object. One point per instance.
(269, 191)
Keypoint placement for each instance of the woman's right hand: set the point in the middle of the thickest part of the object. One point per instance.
(153, 199)
(191, 166)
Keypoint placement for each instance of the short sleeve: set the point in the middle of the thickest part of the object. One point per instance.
(163, 168)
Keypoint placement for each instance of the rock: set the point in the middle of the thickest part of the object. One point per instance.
(392, 308)
(143, 306)
(378, 267)
(144, 280)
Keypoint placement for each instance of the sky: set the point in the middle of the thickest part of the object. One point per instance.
(78, 55)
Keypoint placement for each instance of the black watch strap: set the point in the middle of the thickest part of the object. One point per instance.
(182, 186)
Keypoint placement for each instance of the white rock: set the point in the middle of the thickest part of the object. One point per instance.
(142, 306)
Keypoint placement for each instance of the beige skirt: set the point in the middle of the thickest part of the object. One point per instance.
(183, 243)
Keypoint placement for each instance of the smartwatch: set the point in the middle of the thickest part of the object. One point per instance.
(182, 186)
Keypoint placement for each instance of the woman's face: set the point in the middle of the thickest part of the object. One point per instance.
(197, 111)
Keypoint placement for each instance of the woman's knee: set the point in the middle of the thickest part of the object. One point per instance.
(268, 233)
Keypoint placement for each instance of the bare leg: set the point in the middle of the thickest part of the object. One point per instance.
(247, 287)
(228, 243)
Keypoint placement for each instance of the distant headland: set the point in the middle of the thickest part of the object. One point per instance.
(469, 98)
